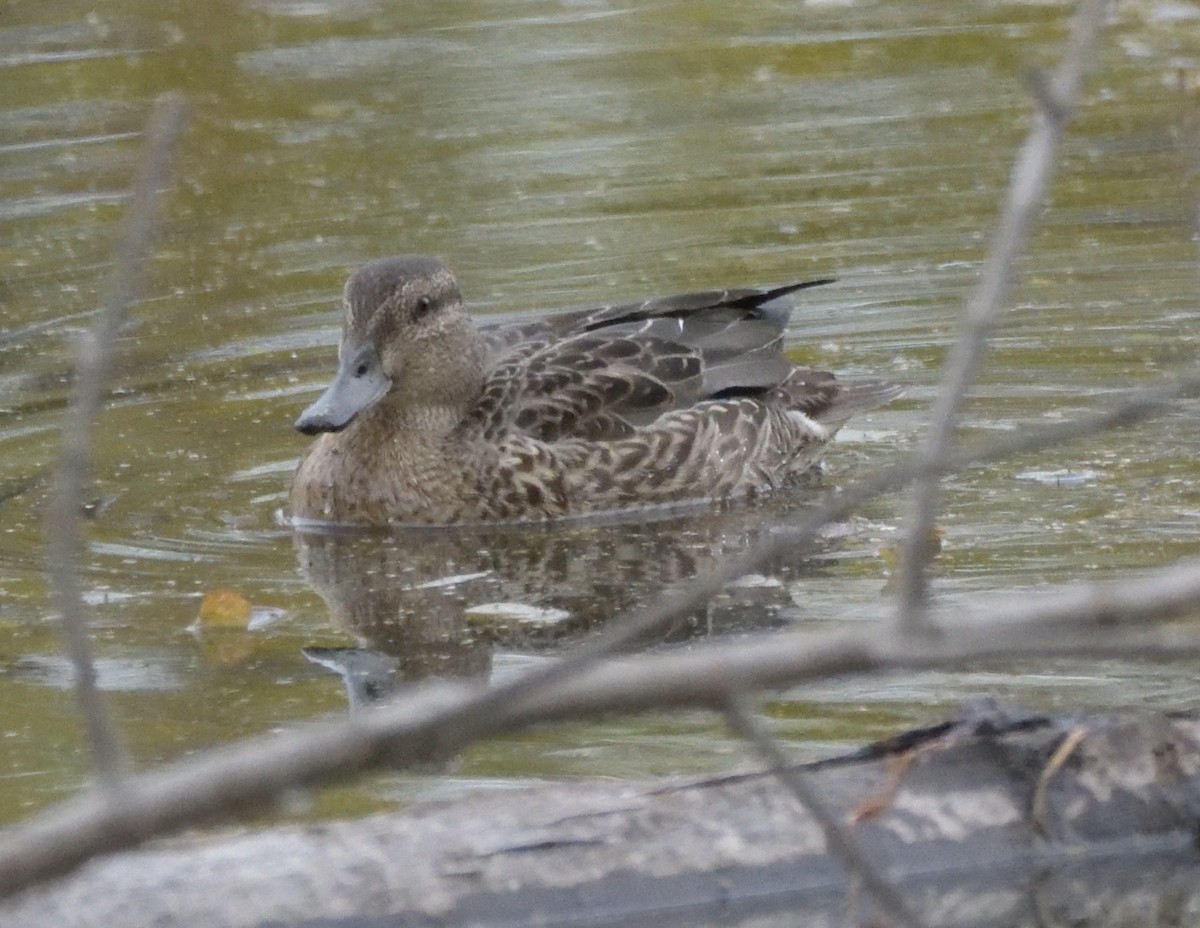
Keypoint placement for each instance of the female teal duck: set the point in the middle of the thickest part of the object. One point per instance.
(433, 420)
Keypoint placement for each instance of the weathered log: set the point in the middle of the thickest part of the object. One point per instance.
(997, 819)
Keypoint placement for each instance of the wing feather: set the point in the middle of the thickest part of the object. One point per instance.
(600, 373)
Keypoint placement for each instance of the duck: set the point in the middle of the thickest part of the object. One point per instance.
(433, 419)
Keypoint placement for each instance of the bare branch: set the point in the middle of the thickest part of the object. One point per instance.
(439, 720)
(1081, 620)
(447, 718)
(841, 842)
(1031, 176)
(64, 542)
(482, 715)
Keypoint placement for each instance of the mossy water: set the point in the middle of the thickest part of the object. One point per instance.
(564, 154)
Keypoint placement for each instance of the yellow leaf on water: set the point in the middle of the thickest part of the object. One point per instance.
(224, 609)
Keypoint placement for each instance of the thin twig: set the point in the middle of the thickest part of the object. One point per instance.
(636, 627)
(64, 541)
(841, 842)
(1031, 176)
(448, 719)
(1086, 620)
(443, 719)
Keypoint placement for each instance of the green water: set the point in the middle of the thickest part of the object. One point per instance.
(559, 153)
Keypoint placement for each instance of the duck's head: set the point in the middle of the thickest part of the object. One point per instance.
(406, 338)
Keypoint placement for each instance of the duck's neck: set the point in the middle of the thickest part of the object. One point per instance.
(400, 465)
(417, 458)
(407, 439)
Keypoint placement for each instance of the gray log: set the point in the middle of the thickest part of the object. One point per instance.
(971, 819)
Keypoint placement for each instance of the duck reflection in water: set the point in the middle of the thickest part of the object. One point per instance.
(481, 602)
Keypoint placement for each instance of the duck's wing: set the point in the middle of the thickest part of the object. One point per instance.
(587, 386)
(602, 372)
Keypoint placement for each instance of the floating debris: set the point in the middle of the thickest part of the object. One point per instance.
(451, 581)
(1060, 478)
(755, 582)
(224, 609)
(517, 617)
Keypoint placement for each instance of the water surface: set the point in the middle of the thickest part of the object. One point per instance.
(564, 153)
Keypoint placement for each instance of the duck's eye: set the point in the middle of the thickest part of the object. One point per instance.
(423, 307)
(361, 370)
